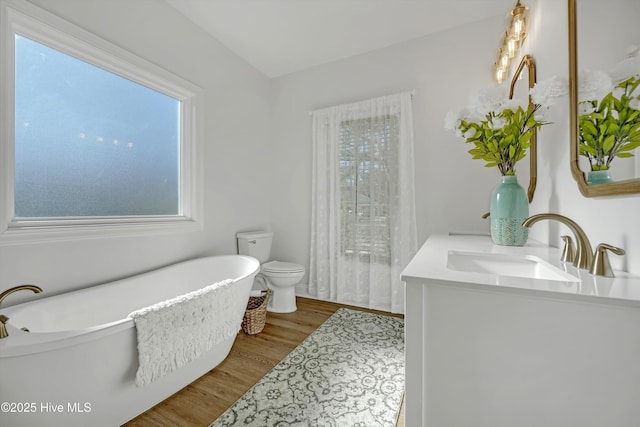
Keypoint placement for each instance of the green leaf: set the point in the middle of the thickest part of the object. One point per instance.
(616, 103)
(629, 146)
(608, 143)
(588, 140)
(624, 155)
(603, 128)
(622, 115)
(589, 127)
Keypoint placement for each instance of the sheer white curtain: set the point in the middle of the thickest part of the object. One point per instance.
(363, 224)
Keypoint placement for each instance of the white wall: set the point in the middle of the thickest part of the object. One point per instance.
(452, 190)
(236, 146)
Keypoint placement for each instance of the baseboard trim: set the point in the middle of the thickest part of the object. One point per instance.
(302, 291)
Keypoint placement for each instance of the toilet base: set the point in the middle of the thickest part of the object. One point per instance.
(283, 300)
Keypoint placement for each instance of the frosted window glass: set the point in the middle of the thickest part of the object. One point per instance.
(89, 143)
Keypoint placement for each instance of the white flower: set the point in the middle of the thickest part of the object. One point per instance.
(538, 116)
(452, 119)
(624, 69)
(547, 92)
(476, 116)
(593, 85)
(513, 104)
(469, 133)
(585, 108)
(497, 123)
(634, 103)
(487, 99)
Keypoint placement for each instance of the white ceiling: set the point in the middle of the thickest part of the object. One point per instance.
(283, 36)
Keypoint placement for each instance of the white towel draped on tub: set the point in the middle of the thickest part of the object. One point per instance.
(174, 332)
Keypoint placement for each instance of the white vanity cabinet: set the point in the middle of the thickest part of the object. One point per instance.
(521, 349)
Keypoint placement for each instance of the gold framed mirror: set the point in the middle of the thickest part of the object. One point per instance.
(628, 182)
(524, 78)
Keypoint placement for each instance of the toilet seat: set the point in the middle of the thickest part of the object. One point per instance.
(278, 267)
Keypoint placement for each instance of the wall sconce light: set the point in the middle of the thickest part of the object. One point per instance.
(516, 21)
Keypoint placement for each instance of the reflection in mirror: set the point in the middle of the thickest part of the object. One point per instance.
(524, 78)
(600, 59)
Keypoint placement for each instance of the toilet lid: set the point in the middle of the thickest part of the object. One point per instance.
(282, 267)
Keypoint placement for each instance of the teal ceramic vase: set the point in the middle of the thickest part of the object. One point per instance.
(598, 177)
(509, 208)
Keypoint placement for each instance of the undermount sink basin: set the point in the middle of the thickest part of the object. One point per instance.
(527, 266)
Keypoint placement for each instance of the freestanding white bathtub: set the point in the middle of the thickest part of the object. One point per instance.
(77, 365)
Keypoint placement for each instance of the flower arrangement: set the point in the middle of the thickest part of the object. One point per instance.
(500, 128)
(609, 113)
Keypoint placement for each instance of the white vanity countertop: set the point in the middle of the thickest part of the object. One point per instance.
(431, 262)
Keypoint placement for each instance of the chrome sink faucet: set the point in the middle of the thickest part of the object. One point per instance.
(584, 253)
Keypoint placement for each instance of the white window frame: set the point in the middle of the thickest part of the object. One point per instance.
(28, 20)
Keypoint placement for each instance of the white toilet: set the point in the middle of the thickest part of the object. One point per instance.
(280, 277)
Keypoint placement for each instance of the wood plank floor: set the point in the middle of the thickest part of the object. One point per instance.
(251, 357)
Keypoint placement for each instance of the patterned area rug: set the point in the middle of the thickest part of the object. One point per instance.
(349, 372)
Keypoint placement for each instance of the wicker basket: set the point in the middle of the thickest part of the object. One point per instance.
(256, 314)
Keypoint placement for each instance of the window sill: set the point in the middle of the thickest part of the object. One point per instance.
(34, 233)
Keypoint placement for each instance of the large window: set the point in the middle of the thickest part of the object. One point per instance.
(89, 143)
(95, 136)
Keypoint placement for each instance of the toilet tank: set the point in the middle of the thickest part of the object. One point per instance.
(256, 244)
